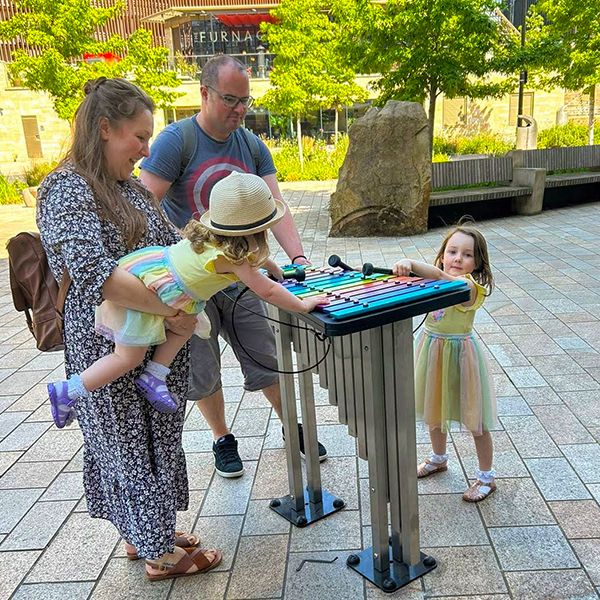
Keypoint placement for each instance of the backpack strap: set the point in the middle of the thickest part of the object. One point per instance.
(253, 146)
(63, 288)
(190, 141)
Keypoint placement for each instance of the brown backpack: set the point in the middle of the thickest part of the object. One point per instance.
(35, 291)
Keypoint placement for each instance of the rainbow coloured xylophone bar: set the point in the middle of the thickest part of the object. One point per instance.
(354, 296)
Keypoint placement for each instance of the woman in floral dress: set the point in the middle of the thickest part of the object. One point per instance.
(91, 212)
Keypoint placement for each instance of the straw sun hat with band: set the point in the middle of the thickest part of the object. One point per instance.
(241, 204)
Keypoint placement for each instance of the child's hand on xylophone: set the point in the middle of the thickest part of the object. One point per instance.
(314, 302)
(403, 267)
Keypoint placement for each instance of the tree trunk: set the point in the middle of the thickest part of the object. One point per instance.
(591, 108)
(299, 136)
(336, 126)
(431, 115)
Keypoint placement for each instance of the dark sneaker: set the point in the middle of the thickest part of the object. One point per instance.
(322, 449)
(227, 460)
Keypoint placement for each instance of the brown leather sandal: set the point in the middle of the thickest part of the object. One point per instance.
(479, 491)
(190, 564)
(188, 541)
(427, 468)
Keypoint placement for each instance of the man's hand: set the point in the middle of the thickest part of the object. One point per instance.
(302, 261)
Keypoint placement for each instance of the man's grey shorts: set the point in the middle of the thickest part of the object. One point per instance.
(255, 335)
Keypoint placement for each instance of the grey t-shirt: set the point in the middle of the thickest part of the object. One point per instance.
(212, 160)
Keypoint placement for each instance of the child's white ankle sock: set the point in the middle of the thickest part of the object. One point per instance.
(438, 459)
(159, 371)
(75, 388)
(485, 476)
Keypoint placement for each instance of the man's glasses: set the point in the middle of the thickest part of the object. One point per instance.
(231, 101)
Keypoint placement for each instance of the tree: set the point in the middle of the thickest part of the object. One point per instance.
(424, 48)
(564, 43)
(308, 70)
(62, 32)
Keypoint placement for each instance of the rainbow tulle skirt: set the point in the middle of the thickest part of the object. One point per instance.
(134, 328)
(453, 383)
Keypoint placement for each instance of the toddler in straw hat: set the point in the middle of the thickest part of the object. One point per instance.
(227, 245)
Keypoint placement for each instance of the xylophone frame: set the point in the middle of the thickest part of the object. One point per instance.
(388, 423)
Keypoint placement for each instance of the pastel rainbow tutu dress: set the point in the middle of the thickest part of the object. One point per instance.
(452, 375)
(180, 277)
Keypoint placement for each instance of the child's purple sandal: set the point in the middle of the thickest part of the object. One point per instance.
(156, 392)
(61, 405)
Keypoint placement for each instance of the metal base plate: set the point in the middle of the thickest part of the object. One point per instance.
(399, 574)
(286, 507)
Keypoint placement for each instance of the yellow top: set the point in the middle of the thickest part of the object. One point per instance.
(197, 271)
(457, 319)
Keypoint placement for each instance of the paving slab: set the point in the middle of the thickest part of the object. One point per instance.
(536, 537)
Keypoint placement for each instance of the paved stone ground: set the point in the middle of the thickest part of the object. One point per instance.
(537, 537)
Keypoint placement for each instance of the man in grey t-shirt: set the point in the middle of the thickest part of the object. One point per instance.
(184, 184)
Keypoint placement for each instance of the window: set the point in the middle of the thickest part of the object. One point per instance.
(454, 111)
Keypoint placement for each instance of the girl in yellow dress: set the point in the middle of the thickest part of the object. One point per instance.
(229, 244)
(452, 376)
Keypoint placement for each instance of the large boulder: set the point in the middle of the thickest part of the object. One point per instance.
(384, 184)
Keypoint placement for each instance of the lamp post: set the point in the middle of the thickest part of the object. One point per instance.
(523, 73)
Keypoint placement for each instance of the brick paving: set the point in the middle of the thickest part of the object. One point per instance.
(538, 536)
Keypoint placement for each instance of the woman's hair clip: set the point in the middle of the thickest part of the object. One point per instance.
(93, 85)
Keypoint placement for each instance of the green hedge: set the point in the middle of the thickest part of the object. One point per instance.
(321, 162)
(570, 134)
(481, 143)
(10, 191)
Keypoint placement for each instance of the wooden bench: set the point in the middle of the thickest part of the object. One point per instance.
(562, 159)
(502, 182)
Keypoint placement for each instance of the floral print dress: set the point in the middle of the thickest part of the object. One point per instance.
(134, 468)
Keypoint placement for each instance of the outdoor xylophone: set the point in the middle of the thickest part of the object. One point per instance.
(363, 356)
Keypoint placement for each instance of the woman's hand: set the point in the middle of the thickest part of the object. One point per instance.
(181, 324)
(403, 267)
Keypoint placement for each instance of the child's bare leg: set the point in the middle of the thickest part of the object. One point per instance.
(111, 367)
(485, 450)
(165, 353)
(438, 460)
(438, 440)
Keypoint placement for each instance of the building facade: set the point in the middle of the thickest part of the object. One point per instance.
(195, 30)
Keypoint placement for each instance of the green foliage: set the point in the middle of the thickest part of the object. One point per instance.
(483, 143)
(563, 48)
(563, 41)
(10, 192)
(320, 163)
(440, 157)
(570, 134)
(37, 172)
(308, 72)
(424, 48)
(64, 31)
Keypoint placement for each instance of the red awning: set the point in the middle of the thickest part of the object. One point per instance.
(245, 19)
